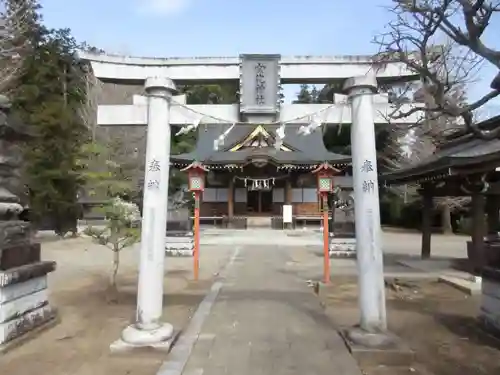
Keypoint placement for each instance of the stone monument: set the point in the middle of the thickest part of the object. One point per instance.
(180, 239)
(343, 236)
(24, 305)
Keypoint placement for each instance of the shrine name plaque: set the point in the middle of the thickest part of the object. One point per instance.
(259, 84)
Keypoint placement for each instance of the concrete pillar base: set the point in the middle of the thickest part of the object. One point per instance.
(383, 348)
(359, 336)
(132, 337)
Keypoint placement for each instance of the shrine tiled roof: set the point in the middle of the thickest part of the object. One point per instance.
(302, 149)
(456, 155)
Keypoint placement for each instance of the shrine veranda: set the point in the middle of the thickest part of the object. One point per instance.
(253, 169)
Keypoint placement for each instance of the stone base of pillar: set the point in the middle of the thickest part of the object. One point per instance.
(179, 244)
(188, 253)
(382, 348)
(489, 314)
(24, 305)
(161, 338)
(49, 319)
(342, 247)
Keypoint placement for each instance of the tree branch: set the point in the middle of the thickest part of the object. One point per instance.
(446, 69)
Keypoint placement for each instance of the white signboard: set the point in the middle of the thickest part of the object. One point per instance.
(287, 213)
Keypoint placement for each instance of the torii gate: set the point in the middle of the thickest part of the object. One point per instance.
(260, 77)
(279, 70)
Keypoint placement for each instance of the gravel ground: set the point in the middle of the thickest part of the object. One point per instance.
(79, 345)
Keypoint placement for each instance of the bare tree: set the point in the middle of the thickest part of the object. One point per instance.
(442, 41)
(409, 148)
(15, 20)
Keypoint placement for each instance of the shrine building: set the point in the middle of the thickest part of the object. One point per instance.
(250, 175)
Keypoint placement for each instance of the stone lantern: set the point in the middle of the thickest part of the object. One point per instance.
(24, 302)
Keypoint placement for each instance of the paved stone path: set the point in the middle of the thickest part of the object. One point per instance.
(394, 243)
(266, 320)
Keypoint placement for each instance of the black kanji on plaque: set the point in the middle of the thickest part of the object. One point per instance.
(259, 70)
(154, 166)
(367, 166)
(260, 85)
(260, 99)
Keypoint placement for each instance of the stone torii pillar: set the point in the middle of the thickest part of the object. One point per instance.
(148, 330)
(367, 212)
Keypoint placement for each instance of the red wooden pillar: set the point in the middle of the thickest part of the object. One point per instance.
(196, 173)
(326, 241)
(196, 233)
(324, 173)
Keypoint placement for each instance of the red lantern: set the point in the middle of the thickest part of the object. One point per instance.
(324, 174)
(196, 175)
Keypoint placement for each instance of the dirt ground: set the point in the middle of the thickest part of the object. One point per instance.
(438, 322)
(79, 345)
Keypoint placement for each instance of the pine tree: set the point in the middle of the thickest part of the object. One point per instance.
(17, 20)
(47, 96)
(304, 95)
(314, 95)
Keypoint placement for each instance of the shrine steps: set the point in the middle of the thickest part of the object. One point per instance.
(259, 222)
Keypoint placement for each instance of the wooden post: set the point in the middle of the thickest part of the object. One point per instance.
(326, 250)
(478, 229)
(492, 210)
(288, 199)
(288, 191)
(196, 232)
(197, 173)
(259, 200)
(230, 201)
(426, 224)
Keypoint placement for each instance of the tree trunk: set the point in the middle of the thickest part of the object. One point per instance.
(116, 265)
(427, 201)
(446, 226)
